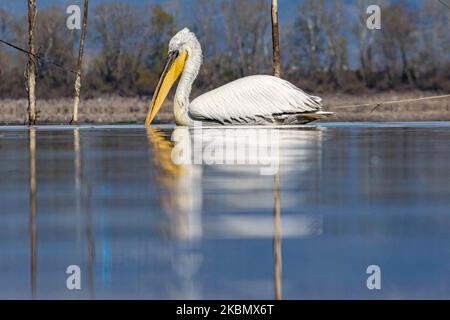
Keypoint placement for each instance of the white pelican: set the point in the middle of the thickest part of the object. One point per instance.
(252, 100)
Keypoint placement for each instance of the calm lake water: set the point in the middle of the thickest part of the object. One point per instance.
(167, 213)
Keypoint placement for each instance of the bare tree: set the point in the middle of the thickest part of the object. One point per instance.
(5, 22)
(397, 43)
(132, 46)
(207, 29)
(336, 41)
(76, 100)
(365, 40)
(309, 36)
(31, 68)
(116, 29)
(54, 43)
(432, 61)
(246, 25)
(412, 49)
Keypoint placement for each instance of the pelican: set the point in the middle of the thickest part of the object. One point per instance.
(252, 100)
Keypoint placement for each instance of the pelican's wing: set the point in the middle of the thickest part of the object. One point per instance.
(253, 99)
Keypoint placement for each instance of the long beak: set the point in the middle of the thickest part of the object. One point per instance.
(172, 71)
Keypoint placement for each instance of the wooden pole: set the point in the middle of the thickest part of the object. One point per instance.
(76, 100)
(278, 266)
(276, 40)
(31, 67)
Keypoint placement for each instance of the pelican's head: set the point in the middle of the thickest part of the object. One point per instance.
(182, 45)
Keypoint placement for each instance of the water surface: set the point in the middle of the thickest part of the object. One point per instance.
(143, 218)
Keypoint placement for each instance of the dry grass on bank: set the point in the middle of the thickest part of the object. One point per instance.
(115, 109)
(425, 110)
(104, 110)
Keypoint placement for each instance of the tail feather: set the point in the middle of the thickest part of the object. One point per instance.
(318, 115)
(316, 99)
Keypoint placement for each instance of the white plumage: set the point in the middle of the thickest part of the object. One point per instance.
(254, 99)
(258, 99)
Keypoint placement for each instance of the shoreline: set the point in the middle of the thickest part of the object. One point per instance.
(132, 110)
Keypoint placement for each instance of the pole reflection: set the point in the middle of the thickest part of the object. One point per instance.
(83, 203)
(277, 238)
(33, 208)
(90, 242)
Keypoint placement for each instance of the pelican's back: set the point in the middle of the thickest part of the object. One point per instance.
(257, 99)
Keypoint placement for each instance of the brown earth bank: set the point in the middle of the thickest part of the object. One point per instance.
(116, 109)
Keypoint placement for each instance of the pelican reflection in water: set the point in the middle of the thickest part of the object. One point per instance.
(253, 100)
(243, 191)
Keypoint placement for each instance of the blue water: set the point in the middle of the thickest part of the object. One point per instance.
(139, 223)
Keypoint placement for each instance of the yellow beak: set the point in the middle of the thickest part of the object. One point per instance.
(172, 71)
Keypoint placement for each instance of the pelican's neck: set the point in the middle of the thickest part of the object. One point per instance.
(190, 72)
